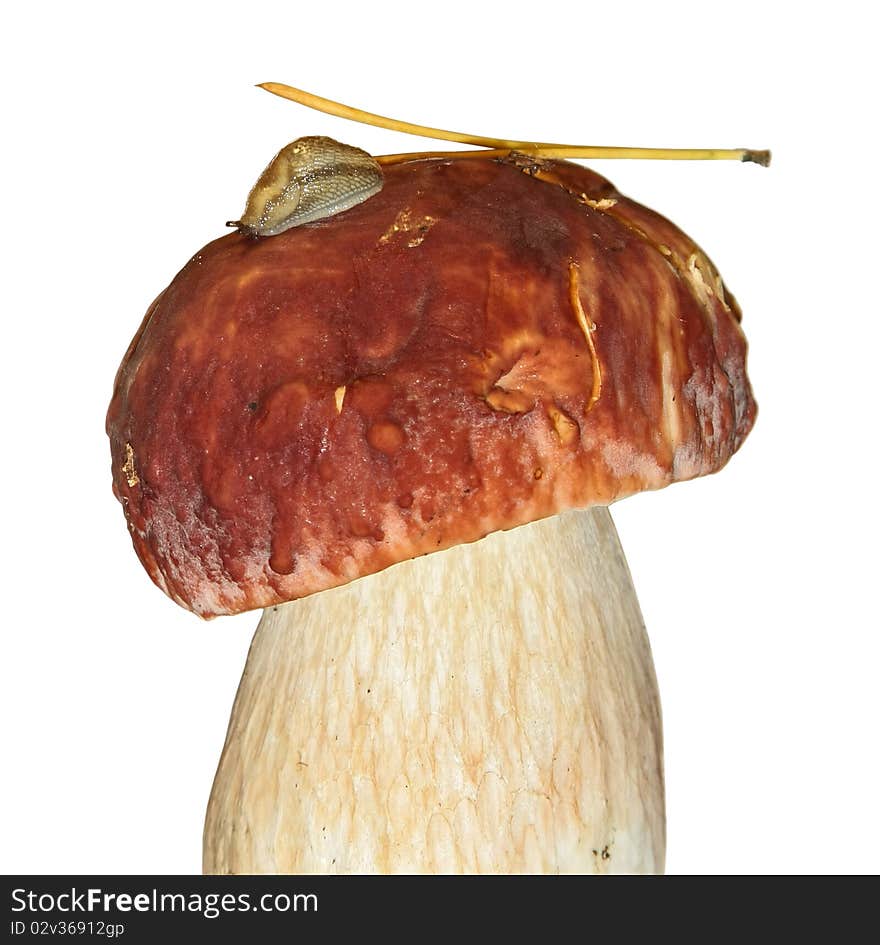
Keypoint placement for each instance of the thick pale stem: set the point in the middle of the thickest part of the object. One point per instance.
(491, 708)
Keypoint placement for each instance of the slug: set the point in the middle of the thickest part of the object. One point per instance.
(309, 179)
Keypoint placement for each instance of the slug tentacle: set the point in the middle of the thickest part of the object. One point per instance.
(309, 179)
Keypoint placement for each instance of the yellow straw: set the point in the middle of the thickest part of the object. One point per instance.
(503, 145)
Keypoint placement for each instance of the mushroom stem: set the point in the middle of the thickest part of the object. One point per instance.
(491, 708)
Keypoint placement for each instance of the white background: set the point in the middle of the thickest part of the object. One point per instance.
(132, 132)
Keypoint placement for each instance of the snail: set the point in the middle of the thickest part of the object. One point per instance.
(316, 177)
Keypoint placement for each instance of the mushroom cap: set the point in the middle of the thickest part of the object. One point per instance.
(479, 345)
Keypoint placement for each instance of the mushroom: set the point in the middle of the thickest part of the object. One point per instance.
(398, 430)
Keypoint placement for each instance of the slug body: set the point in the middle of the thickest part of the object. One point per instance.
(309, 179)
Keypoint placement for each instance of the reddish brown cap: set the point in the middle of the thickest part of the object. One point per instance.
(479, 345)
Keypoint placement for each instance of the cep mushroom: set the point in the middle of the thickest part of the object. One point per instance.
(397, 430)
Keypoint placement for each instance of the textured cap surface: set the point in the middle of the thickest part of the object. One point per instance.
(479, 345)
